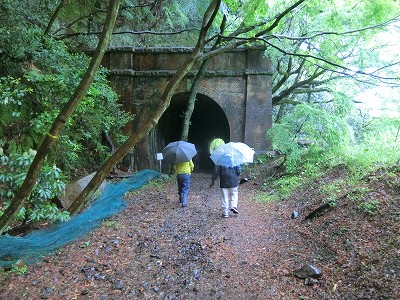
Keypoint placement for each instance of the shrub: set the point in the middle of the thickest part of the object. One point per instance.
(13, 169)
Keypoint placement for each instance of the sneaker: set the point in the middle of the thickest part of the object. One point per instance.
(234, 210)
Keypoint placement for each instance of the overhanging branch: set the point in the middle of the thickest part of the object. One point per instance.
(371, 74)
(324, 33)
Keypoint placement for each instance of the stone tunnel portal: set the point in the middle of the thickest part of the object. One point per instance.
(234, 99)
(207, 123)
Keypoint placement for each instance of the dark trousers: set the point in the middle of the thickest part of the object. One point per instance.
(183, 187)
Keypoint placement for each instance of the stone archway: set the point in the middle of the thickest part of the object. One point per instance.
(208, 122)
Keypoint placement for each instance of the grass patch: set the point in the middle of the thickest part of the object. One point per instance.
(264, 197)
(368, 207)
(281, 188)
(112, 224)
(341, 231)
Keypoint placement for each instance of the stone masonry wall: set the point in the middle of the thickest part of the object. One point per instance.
(239, 81)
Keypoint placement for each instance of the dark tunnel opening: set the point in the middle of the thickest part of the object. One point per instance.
(207, 123)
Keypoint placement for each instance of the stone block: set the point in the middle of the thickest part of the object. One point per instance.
(73, 190)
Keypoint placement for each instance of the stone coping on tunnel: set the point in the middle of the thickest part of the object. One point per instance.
(168, 73)
(174, 49)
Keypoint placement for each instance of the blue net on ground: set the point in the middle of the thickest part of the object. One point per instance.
(33, 246)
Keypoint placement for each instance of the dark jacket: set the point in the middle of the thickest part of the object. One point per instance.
(228, 176)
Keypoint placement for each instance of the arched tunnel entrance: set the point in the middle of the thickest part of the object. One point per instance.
(207, 123)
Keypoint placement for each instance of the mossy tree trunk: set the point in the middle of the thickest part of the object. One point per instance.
(66, 112)
(195, 86)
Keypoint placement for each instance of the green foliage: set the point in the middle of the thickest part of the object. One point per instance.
(12, 110)
(263, 197)
(13, 40)
(157, 182)
(21, 32)
(343, 104)
(379, 150)
(254, 11)
(84, 244)
(112, 224)
(80, 146)
(163, 16)
(282, 138)
(356, 51)
(285, 186)
(382, 132)
(46, 72)
(377, 146)
(311, 136)
(369, 207)
(262, 159)
(13, 169)
(11, 95)
(86, 7)
(333, 189)
(19, 268)
(308, 130)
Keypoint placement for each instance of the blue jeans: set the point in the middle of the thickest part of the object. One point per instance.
(183, 187)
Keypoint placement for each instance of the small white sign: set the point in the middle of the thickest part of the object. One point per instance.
(159, 156)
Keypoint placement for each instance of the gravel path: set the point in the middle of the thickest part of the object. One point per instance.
(157, 250)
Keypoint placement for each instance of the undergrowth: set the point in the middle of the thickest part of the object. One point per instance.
(359, 163)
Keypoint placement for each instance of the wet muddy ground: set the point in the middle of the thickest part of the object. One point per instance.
(156, 249)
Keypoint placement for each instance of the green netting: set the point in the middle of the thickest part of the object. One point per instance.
(31, 247)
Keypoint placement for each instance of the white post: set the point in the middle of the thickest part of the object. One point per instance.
(159, 157)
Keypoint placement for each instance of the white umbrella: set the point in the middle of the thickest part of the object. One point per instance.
(232, 154)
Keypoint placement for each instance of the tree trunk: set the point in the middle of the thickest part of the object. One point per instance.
(281, 113)
(195, 86)
(49, 140)
(54, 17)
(192, 100)
(149, 117)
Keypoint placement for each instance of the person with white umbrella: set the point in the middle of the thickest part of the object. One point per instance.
(228, 182)
(228, 159)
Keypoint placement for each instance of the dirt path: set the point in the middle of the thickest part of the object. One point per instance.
(157, 250)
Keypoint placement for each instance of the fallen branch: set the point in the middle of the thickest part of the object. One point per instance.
(324, 207)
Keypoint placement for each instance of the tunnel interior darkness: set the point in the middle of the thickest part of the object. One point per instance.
(207, 123)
